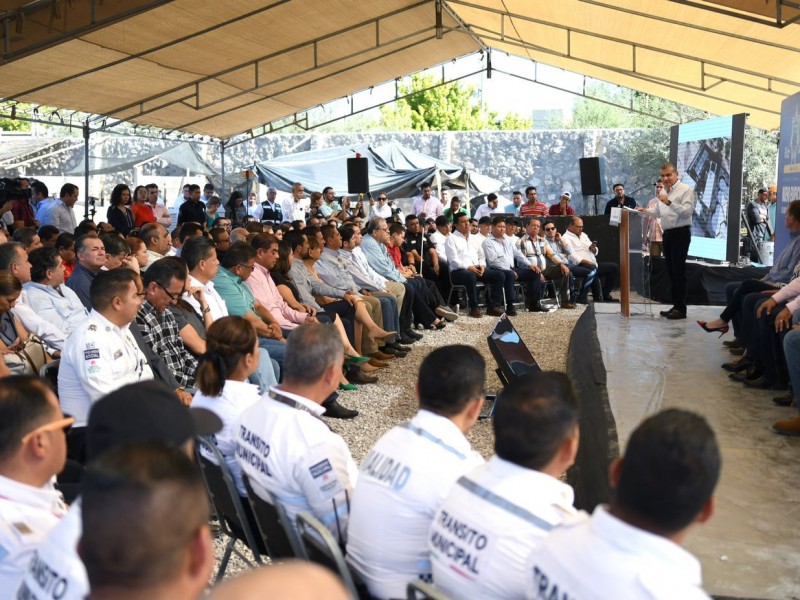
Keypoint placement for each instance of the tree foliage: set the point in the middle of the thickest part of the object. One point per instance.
(648, 151)
(448, 107)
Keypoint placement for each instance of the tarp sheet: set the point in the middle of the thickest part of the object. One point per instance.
(183, 155)
(393, 169)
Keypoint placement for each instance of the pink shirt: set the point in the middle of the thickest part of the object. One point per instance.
(265, 291)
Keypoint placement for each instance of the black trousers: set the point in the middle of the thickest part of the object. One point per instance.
(676, 249)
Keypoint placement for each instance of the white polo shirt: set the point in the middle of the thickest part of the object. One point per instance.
(401, 483)
(604, 557)
(289, 451)
(489, 523)
(216, 304)
(56, 570)
(27, 513)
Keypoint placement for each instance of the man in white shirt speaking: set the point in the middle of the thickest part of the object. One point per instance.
(407, 474)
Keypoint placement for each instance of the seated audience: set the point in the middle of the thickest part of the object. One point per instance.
(33, 451)
(583, 252)
(14, 260)
(101, 355)
(557, 260)
(309, 468)
(91, 258)
(164, 282)
(138, 412)
(28, 237)
(515, 499)
(231, 357)
(632, 548)
(47, 295)
(48, 235)
(157, 240)
(118, 254)
(138, 251)
(164, 548)
(503, 256)
(467, 267)
(65, 244)
(410, 470)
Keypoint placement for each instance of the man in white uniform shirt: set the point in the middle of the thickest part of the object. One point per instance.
(513, 501)
(101, 355)
(632, 548)
(467, 267)
(147, 411)
(283, 445)
(408, 472)
(33, 450)
(675, 209)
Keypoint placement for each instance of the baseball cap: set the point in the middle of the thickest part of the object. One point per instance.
(144, 411)
(567, 194)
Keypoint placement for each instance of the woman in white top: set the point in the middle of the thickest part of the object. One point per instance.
(231, 357)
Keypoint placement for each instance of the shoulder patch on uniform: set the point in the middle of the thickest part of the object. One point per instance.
(319, 469)
(92, 327)
(91, 354)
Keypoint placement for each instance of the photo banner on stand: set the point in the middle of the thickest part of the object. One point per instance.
(788, 167)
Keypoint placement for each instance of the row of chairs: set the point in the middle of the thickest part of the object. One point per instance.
(460, 293)
(276, 539)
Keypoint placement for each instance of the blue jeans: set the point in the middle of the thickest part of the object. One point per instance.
(791, 349)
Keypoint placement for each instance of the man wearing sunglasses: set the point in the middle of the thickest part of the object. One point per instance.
(33, 449)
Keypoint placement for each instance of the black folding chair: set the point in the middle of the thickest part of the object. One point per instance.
(227, 505)
(277, 533)
(49, 372)
(321, 548)
(419, 590)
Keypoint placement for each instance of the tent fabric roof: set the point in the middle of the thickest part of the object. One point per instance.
(220, 68)
(183, 155)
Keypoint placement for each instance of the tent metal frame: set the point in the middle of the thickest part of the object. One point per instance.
(778, 21)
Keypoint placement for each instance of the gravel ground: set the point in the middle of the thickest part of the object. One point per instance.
(392, 401)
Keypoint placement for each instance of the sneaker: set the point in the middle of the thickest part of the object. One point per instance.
(446, 313)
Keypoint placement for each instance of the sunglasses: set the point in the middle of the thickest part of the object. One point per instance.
(64, 424)
(549, 228)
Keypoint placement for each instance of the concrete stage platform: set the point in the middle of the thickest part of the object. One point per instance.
(751, 547)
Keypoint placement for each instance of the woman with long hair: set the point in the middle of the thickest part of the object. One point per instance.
(231, 357)
(12, 333)
(235, 209)
(119, 216)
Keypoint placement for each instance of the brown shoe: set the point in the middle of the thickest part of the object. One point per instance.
(378, 363)
(568, 305)
(361, 377)
(494, 311)
(475, 313)
(382, 355)
(788, 427)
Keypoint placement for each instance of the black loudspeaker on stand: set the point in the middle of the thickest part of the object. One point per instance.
(358, 175)
(593, 177)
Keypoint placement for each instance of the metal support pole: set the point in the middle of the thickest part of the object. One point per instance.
(222, 161)
(86, 133)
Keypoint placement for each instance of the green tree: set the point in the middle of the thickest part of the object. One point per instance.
(448, 107)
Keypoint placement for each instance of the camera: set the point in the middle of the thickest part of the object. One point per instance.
(11, 190)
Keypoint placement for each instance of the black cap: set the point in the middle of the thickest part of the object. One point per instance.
(145, 411)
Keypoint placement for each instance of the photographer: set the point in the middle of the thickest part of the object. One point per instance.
(355, 209)
(18, 193)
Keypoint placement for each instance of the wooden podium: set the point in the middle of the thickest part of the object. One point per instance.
(631, 255)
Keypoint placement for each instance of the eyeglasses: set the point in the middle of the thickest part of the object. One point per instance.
(549, 228)
(248, 267)
(172, 297)
(382, 198)
(64, 424)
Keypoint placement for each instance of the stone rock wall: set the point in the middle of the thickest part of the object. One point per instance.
(547, 159)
